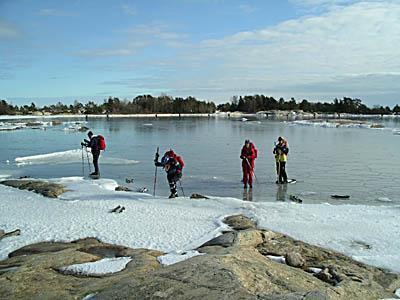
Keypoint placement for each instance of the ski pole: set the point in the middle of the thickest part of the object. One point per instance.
(180, 183)
(155, 174)
(83, 163)
(251, 169)
(87, 156)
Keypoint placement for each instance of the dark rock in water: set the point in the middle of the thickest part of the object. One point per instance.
(198, 196)
(294, 259)
(340, 196)
(47, 189)
(24, 177)
(33, 124)
(295, 199)
(121, 188)
(239, 222)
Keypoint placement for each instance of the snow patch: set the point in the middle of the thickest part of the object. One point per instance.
(97, 268)
(173, 257)
(69, 156)
(278, 259)
(337, 124)
(384, 199)
(314, 270)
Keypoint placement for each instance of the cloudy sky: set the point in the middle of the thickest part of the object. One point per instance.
(53, 50)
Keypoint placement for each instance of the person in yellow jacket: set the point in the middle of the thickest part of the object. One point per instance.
(281, 151)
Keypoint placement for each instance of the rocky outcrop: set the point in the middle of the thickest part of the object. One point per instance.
(233, 266)
(32, 272)
(47, 189)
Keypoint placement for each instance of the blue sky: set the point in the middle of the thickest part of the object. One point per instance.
(212, 49)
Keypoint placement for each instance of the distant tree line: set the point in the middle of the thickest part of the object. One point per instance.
(254, 103)
(143, 104)
(147, 104)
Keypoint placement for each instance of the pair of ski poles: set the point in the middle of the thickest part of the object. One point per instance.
(83, 162)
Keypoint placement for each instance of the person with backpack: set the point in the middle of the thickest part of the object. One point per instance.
(173, 165)
(281, 151)
(96, 143)
(248, 156)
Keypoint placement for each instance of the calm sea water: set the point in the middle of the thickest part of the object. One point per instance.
(362, 163)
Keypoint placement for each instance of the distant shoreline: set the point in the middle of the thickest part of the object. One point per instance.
(274, 115)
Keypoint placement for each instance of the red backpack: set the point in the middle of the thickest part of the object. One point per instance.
(102, 142)
(180, 161)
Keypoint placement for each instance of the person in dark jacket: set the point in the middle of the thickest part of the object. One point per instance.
(173, 165)
(281, 151)
(248, 156)
(94, 144)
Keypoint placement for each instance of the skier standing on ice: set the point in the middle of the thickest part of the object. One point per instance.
(95, 143)
(248, 156)
(173, 165)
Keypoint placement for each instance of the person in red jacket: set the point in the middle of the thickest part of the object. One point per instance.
(248, 156)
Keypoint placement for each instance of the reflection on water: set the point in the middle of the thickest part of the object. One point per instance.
(281, 192)
(247, 194)
(325, 161)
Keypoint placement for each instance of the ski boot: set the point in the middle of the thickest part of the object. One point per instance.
(173, 195)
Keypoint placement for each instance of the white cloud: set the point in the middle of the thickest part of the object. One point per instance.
(309, 55)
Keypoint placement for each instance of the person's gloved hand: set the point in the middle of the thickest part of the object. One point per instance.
(83, 144)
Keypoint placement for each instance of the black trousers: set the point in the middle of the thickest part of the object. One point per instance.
(281, 169)
(96, 155)
(173, 177)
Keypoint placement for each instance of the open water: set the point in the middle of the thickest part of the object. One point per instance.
(357, 161)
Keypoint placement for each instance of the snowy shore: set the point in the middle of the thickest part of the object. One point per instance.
(179, 225)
